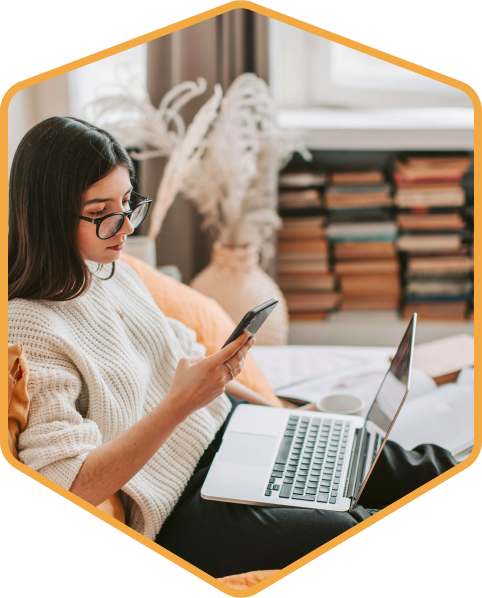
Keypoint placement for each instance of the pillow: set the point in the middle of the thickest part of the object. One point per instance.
(205, 316)
(243, 581)
(18, 399)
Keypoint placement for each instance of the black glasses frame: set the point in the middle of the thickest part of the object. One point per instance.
(128, 214)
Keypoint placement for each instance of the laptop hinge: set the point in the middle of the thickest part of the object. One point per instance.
(352, 467)
(362, 461)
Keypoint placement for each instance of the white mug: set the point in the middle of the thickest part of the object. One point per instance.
(343, 404)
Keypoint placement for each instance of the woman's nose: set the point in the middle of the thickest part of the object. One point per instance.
(126, 228)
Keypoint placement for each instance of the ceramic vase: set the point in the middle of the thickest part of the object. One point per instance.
(236, 281)
(141, 247)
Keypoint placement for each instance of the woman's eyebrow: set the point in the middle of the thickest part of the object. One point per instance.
(104, 200)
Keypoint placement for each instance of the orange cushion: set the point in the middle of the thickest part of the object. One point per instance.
(205, 316)
(246, 580)
(113, 507)
(18, 399)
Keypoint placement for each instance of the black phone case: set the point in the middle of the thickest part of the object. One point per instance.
(253, 320)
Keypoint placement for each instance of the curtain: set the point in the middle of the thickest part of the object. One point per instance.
(218, 50)
(33, 104)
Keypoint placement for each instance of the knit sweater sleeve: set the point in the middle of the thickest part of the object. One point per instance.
(187, 339)
(57, 438)
(186, 336)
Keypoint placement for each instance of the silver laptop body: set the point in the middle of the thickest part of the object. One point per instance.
(307, 459)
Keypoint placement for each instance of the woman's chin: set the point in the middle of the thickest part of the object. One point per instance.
(113, 258)
(104, 258)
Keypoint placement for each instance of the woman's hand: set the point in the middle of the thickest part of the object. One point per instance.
(199, 380)
(244, 393)
(309, 407)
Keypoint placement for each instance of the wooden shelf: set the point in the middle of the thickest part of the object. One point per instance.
(370, 334)
(397, 129)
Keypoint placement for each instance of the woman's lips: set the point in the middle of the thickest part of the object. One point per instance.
(117, 247)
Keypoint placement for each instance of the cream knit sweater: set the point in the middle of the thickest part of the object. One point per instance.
(94, 374)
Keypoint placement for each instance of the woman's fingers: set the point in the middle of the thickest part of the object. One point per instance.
(241, 354)
(199, 380)
(237, 361)
(224, 354)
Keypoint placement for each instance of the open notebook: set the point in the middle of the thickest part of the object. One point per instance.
(443, 415)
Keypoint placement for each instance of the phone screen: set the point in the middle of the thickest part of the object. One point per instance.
(258, 320)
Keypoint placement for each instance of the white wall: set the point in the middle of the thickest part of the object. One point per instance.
(68, 94)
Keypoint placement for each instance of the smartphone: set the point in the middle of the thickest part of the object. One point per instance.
(253, 320)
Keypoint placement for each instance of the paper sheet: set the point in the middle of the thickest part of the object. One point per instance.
(445, 356)
(293, 363)
(444, 416)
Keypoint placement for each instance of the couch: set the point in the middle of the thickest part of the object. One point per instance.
(212, 325)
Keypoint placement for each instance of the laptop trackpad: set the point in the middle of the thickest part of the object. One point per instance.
(247, 449)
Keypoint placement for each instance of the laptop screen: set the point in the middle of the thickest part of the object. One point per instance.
(395, 384)
(390, 397)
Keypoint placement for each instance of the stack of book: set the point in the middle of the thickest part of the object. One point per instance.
(434, 239)
(430, 182)
(300, 193)
(468, 186)
(363, 233)
(439, 287)
(303, 261)
(355, 196)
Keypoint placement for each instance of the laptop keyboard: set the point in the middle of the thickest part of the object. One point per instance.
(310, 460)
(376, 446)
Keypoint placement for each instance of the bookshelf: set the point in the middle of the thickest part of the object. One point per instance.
(370, 333)
(358, 251)
(389, 129)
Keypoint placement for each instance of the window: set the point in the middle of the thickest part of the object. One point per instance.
(310, 72)
(102, 77)
(334, 97)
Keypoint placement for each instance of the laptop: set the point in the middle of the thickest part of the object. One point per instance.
(308, 459)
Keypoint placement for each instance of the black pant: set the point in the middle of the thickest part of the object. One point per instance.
(225, 538)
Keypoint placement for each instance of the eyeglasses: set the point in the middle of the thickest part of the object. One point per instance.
(110, 225)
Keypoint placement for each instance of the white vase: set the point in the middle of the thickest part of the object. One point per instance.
(143, 248)
(236, 281)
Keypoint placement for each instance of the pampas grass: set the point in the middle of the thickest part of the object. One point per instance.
(129, 115)
(234, 186)
(226, 161)
(184, 158)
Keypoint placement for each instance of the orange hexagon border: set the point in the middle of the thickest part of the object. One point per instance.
(4, 311)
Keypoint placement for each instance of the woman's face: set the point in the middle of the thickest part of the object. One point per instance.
(109, 195)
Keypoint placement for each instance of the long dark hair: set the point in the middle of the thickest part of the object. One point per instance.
(55, 163)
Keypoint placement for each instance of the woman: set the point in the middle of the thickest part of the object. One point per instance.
(122, 398)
